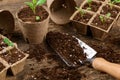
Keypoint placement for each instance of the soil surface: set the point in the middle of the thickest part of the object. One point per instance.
(82, 18)
(27, 15)
(100, 0)
(104, 25)
(67, 47)
(107, 9)
(12, 56)
(1, 67)
(94, 6)
(50, 66)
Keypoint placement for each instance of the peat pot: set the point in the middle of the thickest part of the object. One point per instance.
(7, 23)
(61, 10)
(33, 32)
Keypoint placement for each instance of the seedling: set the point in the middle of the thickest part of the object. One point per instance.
(113, 2)
(103, 19)
(8, 42)
(34, 4)
(82, 12)
(89, 3)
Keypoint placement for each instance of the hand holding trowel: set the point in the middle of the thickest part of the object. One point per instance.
(62, 45)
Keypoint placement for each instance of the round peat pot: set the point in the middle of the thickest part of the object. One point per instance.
(7, 23)
(33, 32)
(61, 10)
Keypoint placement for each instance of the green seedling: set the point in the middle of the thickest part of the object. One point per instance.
(82, 12)
(103, 19)
(37, 18)
(34, 4)
(8, 42)
(89, 2)
(112, 2)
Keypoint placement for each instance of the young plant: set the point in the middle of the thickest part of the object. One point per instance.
(103, 19)
(34, 4)
(8, 42)
(82, 12)
(89, 2)
(112, 2)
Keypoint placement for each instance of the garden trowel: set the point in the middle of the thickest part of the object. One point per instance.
(97, 63)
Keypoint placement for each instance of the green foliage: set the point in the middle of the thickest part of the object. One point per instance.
(34, 4)
(113, 2)
(103, 19)
(89, 2)
(8, 42)
(82, 12)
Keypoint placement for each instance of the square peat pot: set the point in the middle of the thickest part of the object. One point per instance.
(112, 9)
(3, 69)
(15, 59)
(80, 21)
(100, 29)
(94, 6)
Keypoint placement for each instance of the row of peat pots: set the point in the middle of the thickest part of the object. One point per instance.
(93, 17)
(12, 60)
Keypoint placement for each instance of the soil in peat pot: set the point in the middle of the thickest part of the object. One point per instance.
(103, 25)
(107, 9)
(66, 46)
(2, 44)
(27, 15)
(12, 56)
(94, 6)
(100, 0)
(1, 67)
(85, 18)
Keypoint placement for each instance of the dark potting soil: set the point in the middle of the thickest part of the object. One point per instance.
(56, 73)
(107, 52)
(1, 67)
(66, 46)
(12, 56)
(103, 25)
(107, 9)
(36, 51)
(101, 0)
(27, 15)
(2, 44)
(94, 6)
(117, 4)
(85, 18)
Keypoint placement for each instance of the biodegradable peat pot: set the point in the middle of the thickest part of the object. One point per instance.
(15, 59)
(94, 6)
(114, 10)
(100, 29)
(80, 21)
(61, 10)
(7, 23)
(3, 69)
(34, 32)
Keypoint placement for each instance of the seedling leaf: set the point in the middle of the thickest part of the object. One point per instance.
(8, 42)
(40, 2)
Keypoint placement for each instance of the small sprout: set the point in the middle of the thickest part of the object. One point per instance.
(102, 19)
(89, 2)
(108, 15)
(34, 4)
(82, 12)
(89, 8)
(37, 18)
(8, 42)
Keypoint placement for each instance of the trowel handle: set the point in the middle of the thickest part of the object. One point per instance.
(105, 66)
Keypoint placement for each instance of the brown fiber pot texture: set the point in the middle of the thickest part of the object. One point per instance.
(6, 21)
(34, 32)
(3, 73)
(61, 10)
